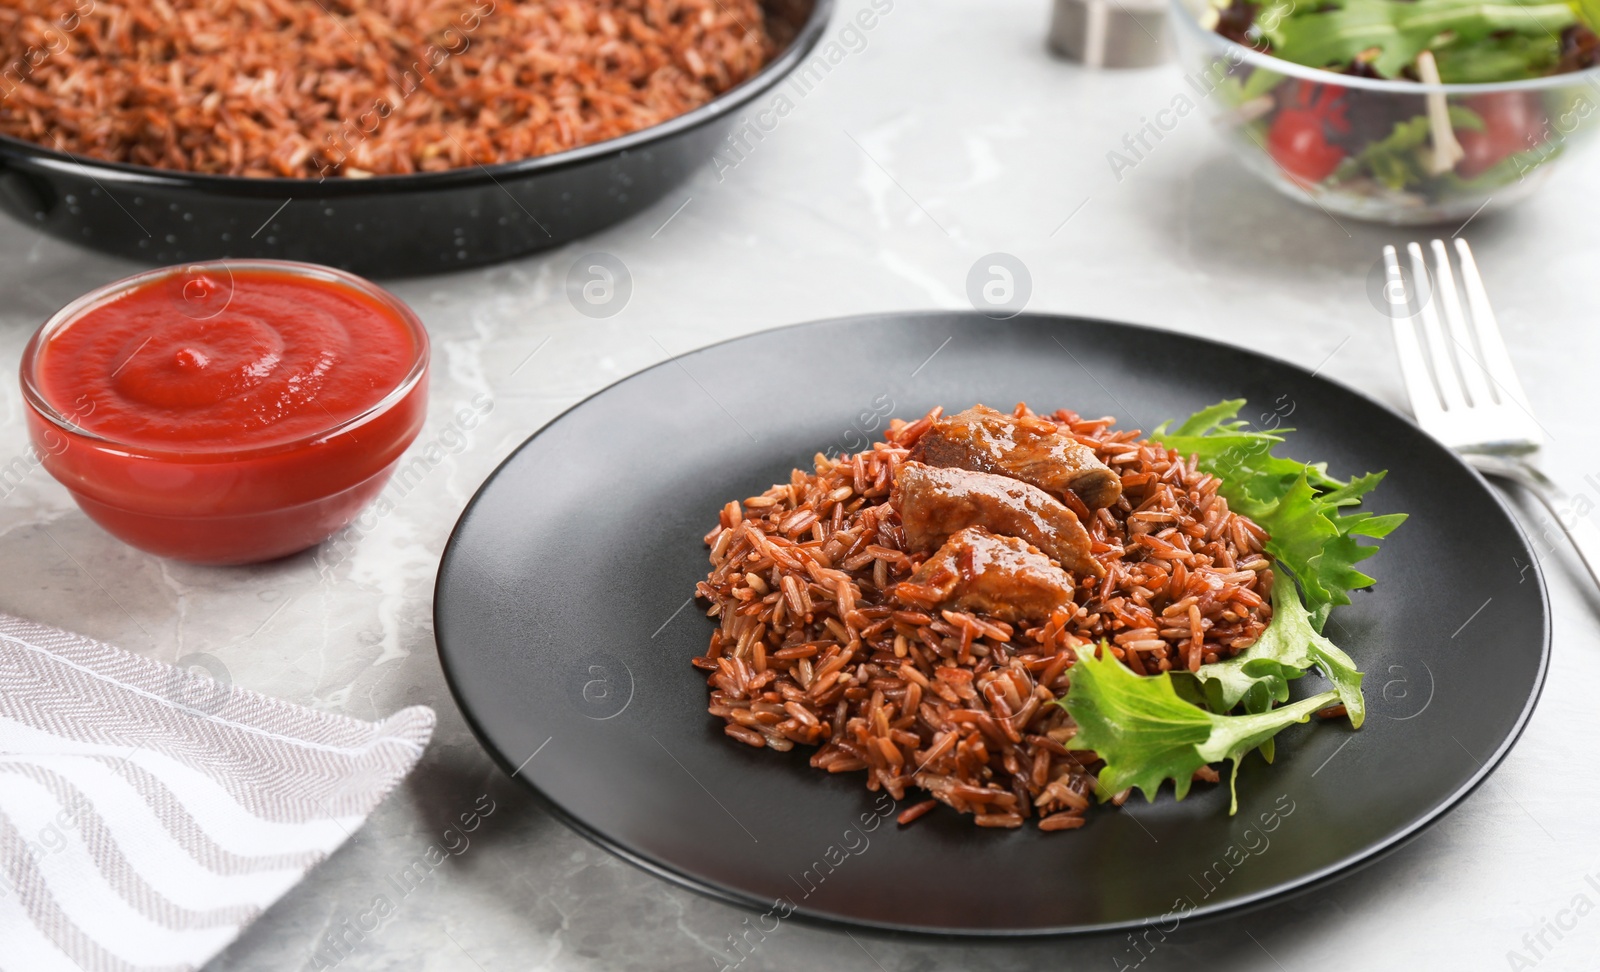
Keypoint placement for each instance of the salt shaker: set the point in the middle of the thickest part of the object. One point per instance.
(1110, 33)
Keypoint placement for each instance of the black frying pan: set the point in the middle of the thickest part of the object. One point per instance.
(386, 226)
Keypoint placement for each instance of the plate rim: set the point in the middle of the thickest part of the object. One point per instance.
(1284, 891)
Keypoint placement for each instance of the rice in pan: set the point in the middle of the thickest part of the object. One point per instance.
(319, 88)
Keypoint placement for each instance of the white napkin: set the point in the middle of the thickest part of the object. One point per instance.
(147, 814)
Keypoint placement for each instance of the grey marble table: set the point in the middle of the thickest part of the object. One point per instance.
(945, 133)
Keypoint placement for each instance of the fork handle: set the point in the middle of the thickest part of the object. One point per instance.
(1580, 530)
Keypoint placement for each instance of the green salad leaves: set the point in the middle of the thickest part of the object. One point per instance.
(1498, 40)
(1398, 159)
(1298, 503)
(1147, 734)
(1149, 729)
(1258, 677)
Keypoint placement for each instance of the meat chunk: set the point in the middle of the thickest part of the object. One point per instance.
(935, 503)
(1029, 449)
(1000, 576)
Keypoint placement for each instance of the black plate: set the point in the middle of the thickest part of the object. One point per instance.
(386, 226)
(561, 620)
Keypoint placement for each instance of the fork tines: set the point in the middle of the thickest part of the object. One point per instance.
(1455, 363)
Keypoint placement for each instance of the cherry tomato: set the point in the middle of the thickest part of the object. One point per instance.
(1512, 123)
(1298, 138)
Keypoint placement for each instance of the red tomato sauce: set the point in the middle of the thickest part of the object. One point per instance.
(229, 415)
(281, 358)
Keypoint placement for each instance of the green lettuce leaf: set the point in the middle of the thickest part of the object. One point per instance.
(1588, 11)
(1508, 57)
(1398, 160)
(1394, 160)
(1235, 89)
(1299, 504)
(1241, 458)
(1147, 734)
(1334, 34)
(1258, 677)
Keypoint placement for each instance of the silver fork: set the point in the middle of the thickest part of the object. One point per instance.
(1463, 388)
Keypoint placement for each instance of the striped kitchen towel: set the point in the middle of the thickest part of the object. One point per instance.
(149, 813)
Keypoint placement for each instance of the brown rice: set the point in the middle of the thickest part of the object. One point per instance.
(811, 650)
(313, 88)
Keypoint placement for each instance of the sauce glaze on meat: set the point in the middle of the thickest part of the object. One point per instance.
(1000, 576)
(936, 503)
(1030, 449)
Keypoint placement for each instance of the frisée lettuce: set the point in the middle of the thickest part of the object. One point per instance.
(1147, 734)
(1149, 729)
(1297, 503)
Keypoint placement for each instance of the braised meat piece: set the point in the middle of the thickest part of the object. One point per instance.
(1030, 449)
(1000, 576)
(935, 503)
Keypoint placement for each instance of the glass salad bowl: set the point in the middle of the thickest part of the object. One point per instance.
(1389, 151)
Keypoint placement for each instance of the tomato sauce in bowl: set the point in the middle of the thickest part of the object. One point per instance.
(227, 412)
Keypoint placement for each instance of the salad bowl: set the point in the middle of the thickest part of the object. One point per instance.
(1380, 147)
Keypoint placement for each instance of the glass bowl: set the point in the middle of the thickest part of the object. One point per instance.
(1366, 147)
(265, 497)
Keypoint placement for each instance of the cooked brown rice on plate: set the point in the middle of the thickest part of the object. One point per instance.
(836, 631)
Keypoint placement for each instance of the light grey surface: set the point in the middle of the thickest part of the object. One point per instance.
(949, 135)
